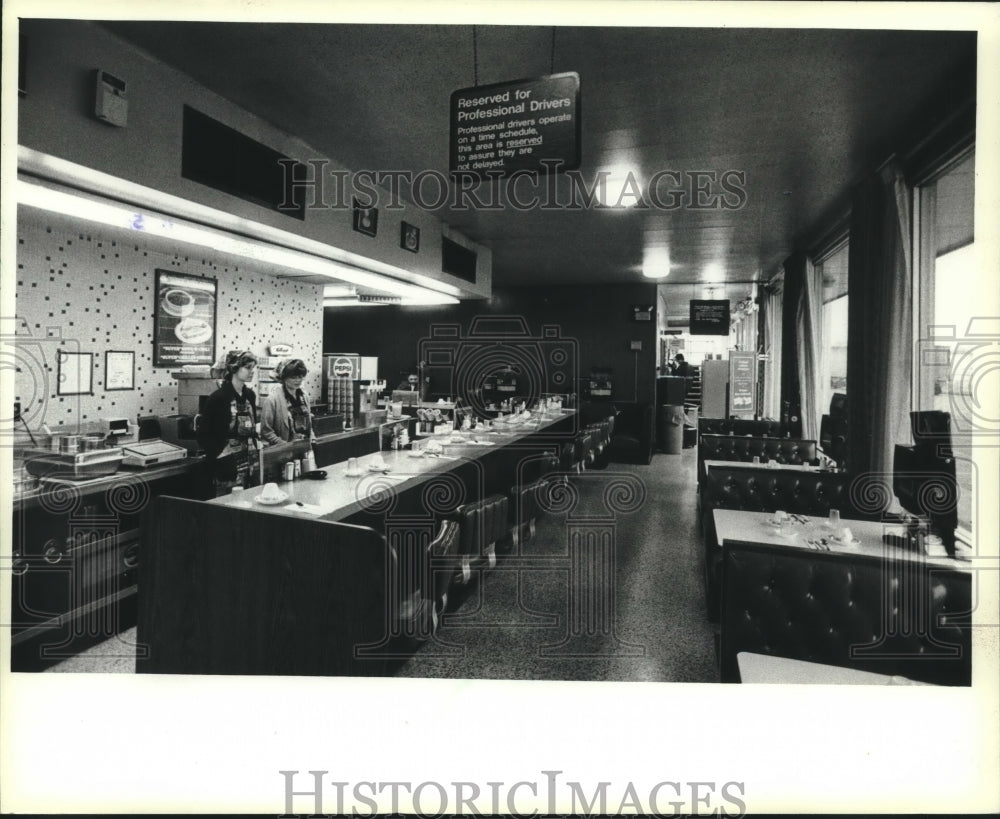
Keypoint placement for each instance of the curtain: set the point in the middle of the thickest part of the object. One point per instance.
(770, 318)
(879, 321)
(809, 330)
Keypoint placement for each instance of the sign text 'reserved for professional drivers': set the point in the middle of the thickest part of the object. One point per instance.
(512, 126)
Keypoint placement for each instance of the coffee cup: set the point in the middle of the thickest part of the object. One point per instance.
(270, 491)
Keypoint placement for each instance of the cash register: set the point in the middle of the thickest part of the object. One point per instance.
(150, 453)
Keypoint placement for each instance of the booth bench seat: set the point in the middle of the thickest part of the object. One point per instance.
(906, 618)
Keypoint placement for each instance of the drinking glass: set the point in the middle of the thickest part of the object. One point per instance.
(834, 518)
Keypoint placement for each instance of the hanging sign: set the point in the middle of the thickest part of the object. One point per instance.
(742, 382)
(709, 317)
(513, 126)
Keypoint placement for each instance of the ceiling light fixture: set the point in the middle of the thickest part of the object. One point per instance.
(655, 262)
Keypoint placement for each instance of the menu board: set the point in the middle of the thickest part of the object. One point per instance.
(742, 382)
(709, 317)
(184, 319)
(512, 126)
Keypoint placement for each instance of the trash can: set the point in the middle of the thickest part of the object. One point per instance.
(670, 428)
(690, 427)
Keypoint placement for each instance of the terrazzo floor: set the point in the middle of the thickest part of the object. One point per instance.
(632, 610)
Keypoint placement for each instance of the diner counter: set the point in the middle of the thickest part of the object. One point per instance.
(341, 494)
(30, 498)
(318, 583)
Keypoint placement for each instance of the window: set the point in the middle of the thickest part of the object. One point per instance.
(945, 309)
(832, 273)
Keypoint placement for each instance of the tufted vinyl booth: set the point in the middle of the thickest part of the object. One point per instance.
(735, 448)
(767, 490)
(482, 525)
(889, 617)
(739, 426)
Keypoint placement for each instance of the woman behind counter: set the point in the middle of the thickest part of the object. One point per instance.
(228, 426)
(285, 415)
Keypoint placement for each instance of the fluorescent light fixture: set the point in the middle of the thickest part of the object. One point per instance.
(150, 223)
(655, 262)
(339, 291)
(98, 197)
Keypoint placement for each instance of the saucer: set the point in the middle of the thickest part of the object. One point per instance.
(355, 474)
(272, 501)
(841, 542)
(782, 531)
(378, 469)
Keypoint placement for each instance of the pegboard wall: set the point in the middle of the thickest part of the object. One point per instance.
(79, 290)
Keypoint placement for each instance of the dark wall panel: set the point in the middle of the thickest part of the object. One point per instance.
(598, 319)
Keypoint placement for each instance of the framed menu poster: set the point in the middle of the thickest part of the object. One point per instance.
(742, 383)
(184, 319)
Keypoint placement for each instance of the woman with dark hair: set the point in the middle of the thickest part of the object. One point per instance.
(285, 415)
(227, 430)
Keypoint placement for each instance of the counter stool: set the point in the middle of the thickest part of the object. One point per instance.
(583, 451)
(482, 525)
(525, 508)
(441, 565)
(601, 437)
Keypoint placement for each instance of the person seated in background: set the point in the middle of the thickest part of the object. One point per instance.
(680, 367)
(285, 415)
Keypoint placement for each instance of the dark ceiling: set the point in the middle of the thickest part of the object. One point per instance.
(803, 113)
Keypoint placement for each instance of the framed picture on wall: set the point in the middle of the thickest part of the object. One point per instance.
(409, 237)
(119, 370)
(76, 374)
(365, 219)
(184, 319)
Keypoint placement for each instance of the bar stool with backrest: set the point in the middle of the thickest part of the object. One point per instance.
(441, 563)
(482, 526)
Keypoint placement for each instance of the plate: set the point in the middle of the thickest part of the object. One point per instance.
(193, 331)
(271, 501)
(778, 523)
(356, 474)
(842, 542)
(782, 532)
(178, 303)
(378, 469)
